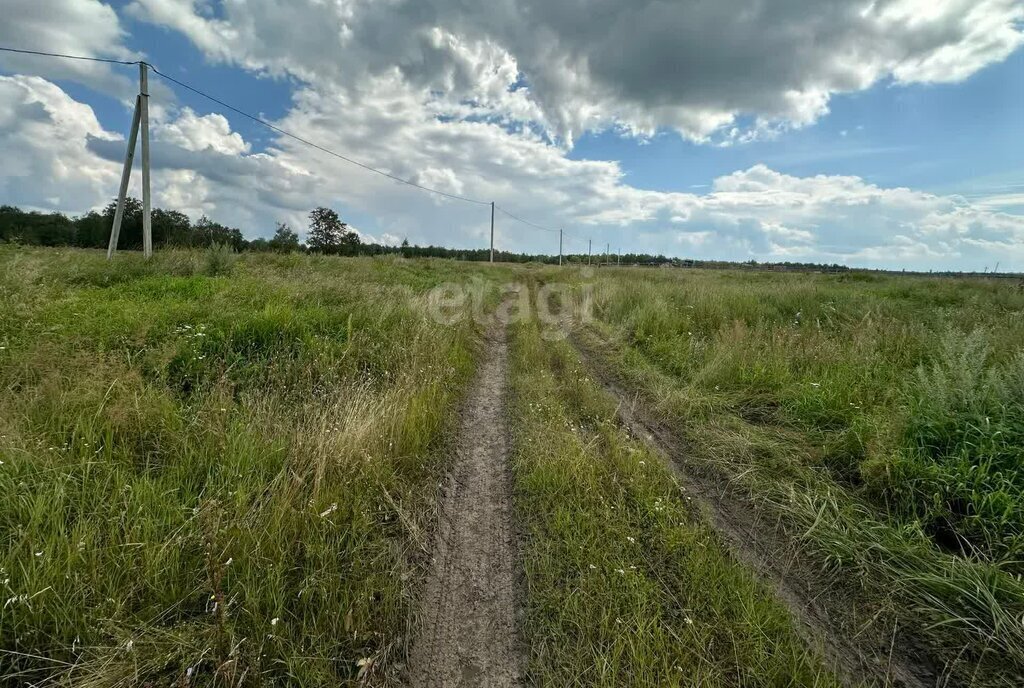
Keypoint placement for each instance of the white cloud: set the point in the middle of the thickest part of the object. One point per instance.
(639, 66)
(754, 213)
(76, 27)
(197, 133)
(43, 139)
(466, 98)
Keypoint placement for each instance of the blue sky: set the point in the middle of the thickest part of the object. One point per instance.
(891, 136)
(965, 138)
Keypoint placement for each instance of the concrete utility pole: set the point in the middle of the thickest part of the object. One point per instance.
(618, 257)
(608, 254)
(140, 119)
(559, 245)
(492, 231)
(590, 246)
(147, 224)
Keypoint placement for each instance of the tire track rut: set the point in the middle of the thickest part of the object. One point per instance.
(468, 627)
(861, 655)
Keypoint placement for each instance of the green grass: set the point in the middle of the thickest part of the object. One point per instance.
(625, 585)
(881, 417)
(220, 474)
(220, 469)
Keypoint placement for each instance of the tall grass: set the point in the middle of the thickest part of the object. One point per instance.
(880, 417)
(214, 478)
(959, 472)
(625, 585)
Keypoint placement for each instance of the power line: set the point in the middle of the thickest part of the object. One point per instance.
(254, 118)
(526, 222)
(283, 132)
(68, 57)
(290, 135)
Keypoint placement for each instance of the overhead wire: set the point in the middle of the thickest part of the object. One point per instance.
(69, 57)
(526, 222)
(283, 132)
(317, 146)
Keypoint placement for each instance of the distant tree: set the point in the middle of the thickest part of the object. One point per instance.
(171, 227)
(131, 223)
(92, 230)
(46, 229)
(285, 240)
(325, 228)
(349, 241)
(328, 234)
(207, 233)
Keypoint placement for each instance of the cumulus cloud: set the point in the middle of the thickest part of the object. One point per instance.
(43, 136)
(571, 67)
(485, 101)
(76, 27)
(755, 213)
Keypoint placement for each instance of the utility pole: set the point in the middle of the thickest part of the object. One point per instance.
(590, 246)
(147, 224)
(618, 257)
(559, 245)
(139, 119)
(608, 254)
(492, 231)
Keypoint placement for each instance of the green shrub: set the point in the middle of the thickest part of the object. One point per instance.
(219, 260)
(960, 470)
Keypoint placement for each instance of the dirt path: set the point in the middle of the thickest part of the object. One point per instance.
(467, 632)
(862, 654)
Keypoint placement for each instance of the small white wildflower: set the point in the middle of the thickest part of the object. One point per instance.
(273, 622)
(630, 538)
(620, 571)
(688, 620)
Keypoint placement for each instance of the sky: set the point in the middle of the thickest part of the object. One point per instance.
(885, 133)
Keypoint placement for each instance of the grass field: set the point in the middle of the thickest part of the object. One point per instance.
(627, 586)
(223, 469)
(882, 417)
(226, 476)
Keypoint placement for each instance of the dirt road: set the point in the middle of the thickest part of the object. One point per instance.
(861, 655)
(467, 630)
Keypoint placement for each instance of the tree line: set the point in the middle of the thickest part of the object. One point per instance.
(326, 234)
(171, 228)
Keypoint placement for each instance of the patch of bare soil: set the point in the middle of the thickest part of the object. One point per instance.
(862, 650)
(467, 630)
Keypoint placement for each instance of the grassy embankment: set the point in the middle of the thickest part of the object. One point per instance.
(625, 585)
(882, 417)
(217, 469)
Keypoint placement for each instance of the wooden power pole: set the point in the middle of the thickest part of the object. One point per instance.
(492, 231)
(140, 120)
(559, 245)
